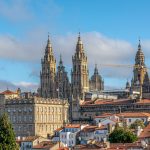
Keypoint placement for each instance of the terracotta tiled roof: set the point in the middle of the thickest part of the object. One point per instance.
(8, 92)
(146, 132)
(144, 101)
(133, 114)
(113, 102)
(102, 127)
(73, 126)
(28, 139)
(88, 102)
(104, 115)
(125, 146)
(59, 129)
(125, 114)
(88, 147)
(45, 144)
(63, 148)
(89, 128)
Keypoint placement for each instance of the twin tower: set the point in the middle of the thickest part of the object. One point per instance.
(55, 82)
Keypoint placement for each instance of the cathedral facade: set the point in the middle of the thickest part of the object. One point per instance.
(55, 82)
(80, 72)
(48, 73)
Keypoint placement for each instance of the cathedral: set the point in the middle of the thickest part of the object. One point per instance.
(140, 75)
(54, 83)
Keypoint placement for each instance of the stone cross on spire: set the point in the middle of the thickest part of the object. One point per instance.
(139, 46)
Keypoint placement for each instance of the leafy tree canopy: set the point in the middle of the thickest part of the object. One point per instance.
(7, 136)
(121, 135)
(136, 124)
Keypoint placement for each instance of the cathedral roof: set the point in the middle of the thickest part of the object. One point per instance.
(96, 74)
(8, 92)
(114, 102)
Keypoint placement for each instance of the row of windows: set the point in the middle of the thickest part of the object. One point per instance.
(64, 136)
(48, 128)
(49, 109)
(21, 128)
(25, 109)
(47, 118)
(15, 119)
(71, 130)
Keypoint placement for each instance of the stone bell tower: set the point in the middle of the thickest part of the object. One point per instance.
(139, 61)
(62, 81)
(79, 73)
(48, 72)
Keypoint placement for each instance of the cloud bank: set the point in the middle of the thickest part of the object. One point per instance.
(25, 86)
(99, 48)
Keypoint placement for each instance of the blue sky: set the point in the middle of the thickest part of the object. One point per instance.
(109, 29)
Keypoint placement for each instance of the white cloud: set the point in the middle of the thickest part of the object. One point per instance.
(15, 10)
(25, 86)
(29, 12)
(99, 49)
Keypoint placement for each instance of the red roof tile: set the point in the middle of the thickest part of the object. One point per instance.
(89, 128)
(8, 92)
(73, 126)
(45, 144)
(133, 114)
(146, 132)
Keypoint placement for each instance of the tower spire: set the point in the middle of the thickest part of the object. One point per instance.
(139, 46)
(80, 72)
(79, 46)
(60, 61)
(48, 49)
(95, 70)
(48, 40)
(79, 39)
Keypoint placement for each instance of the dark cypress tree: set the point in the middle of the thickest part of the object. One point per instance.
(7, 136)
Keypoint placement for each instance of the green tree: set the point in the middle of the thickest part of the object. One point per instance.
(121, 135)
(7, 136)
(136, 124)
